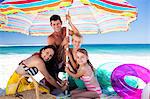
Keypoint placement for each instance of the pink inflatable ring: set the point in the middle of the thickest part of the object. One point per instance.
(121, 87)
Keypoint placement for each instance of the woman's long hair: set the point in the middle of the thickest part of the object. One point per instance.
(81, 50)
(46, 47)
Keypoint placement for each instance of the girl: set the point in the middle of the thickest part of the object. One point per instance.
(31, 66)
(73, 82)
(86, 73)
(76, 42)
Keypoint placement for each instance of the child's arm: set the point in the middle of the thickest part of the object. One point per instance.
(79, 73)
(74, 29)
(74, 65)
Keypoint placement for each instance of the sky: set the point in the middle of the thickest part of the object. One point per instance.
(138, 33)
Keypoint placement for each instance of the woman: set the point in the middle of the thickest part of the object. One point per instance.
(31, 66)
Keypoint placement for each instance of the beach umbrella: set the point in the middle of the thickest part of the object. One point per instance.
(31, 6)
(27, 7)
(90, 17)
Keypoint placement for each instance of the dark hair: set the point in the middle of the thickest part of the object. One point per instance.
(81, 50)
(55, 18)
(49, 46)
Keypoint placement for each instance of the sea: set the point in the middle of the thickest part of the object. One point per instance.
(103, 56)
(122, 49)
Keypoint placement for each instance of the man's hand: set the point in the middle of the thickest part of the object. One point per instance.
(65, 42)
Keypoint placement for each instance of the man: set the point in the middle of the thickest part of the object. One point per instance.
(60, 41)
(59, 33)
(58, 37)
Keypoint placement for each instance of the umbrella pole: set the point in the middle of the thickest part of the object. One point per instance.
(67, 49)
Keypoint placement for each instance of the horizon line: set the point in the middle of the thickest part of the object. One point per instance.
(81, 44)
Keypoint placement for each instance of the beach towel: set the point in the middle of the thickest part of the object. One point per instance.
(23, 86)
(29, 94)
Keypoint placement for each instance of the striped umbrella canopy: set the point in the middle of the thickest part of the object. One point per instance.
(89, 16)
(3, 20)
(31, 6)
(121, 7)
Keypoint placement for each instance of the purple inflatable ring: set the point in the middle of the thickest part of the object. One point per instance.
(121, 87)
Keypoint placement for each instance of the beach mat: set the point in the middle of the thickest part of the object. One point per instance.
(103, 96)
(30, 94)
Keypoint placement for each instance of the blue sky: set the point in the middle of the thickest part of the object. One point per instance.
(139, 32)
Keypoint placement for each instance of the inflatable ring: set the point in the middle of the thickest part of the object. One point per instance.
(119, 84)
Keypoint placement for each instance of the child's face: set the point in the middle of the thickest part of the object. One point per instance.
(56, 25)
(76, 41)
(47, 54)
(81, 58)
